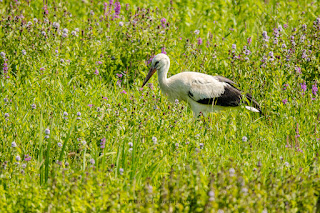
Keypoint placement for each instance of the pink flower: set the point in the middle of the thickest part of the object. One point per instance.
(42, 68)
(105, 98)
(284, 101)
(90, 105)
(96, 72)
(99, 62)
(124, 92)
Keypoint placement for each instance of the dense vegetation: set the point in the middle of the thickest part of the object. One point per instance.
(78, 134)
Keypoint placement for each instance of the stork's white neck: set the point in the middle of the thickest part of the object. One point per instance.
(162, 76)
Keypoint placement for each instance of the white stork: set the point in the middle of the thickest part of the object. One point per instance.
(204, 93)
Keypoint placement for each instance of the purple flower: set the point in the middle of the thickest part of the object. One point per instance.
(249, 40)
(96, 72)
(110, 3)
(99, 62)
(284, 101)
(150, 60)
(298, 70)
(119, 75)
(314, 89)
(264, 34)
(285, 25)
(199, 41)
(234, 46)
(27, 158)
(163, 50)
(90, 105)
(163, 22)
(304, 86)
(123, 91)
(42, 68)
(285, 86)
(117, 8)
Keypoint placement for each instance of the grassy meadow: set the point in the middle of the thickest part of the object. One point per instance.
(78, 134)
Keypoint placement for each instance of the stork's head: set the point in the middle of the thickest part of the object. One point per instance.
(159, 62)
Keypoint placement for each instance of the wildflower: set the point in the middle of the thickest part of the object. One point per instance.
(56, 25)
(285, 86)
(77, 30)
(154, 139)
(284, 46)
(303, 86)
(84, 142)
(96, 72)
(244, 191)
(284, 101)
(3, 55)
(197, 32)
(199, 41)
(163, 50)
(177, 145)
(35, 20)
(247, 52)
(287, 164)
(65, 114)
(314, 89)
(62, 60)
(119, 75)
(211, 195)
(121, 24)
(249, 40)
(121, 171)
(78, 113)
(201, 145)
(246, 58)
(259, 164)
(130, 149)
(24, 52)
(234, 46)
(176, 101)
(264, 34)
(18, 158)
(92, 161)
(271, 54)
(304, 26)
(64, 35)
(24, 166)
(285, 25)
(13, 144)
(27, 158)
(130, 144)
(6, 115)
(275, 41)
(265, 211)
(117, 8)
(47, 131)
(90, 105)
(59, 144)
(65, 30)
(163, 22)
(123, 91)
(74, 33)
(125, 109)
(244, 139)
(43, 33)
(232, 172)
(98, 109)
(298, 70)
(280, 28)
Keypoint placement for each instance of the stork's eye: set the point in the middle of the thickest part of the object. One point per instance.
(156, 63)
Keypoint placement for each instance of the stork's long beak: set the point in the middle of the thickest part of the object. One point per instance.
(150, 73)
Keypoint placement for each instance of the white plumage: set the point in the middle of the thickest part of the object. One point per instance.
(204, 93)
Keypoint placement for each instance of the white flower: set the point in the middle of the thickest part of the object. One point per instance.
(59, 144)
(232, 172)
(92, 161)
(56, 25)
(47, 131)
(287, 164)
(43, 33)
(3, 55)
(121, 24)
(24, 52)
(121, 171)
(77, 30)
(18, 158)
(154, 139)
(197, 32)
(35, 20)
(13, 144)
(244, 139)
(65, 30)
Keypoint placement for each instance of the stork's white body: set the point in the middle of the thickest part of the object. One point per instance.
(200, 90)
(201, 85)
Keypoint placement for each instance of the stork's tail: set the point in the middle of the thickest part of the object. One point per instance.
(255, 107)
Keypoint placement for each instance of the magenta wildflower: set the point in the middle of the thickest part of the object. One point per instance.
(285, 25)
(99, 62)
(249, 40)
(117, 8)
(303, 86)
(163, 22)
(119, 75)
(199, 41)
(285, 86)
(90, 105)
(110, 3)
(96, 72)
(105, 98)
(123, 91)
(298, 70)
(314, 89)
(284, 101)
(163, 50)
(150, 60)
(27, 158)
(42, 68)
